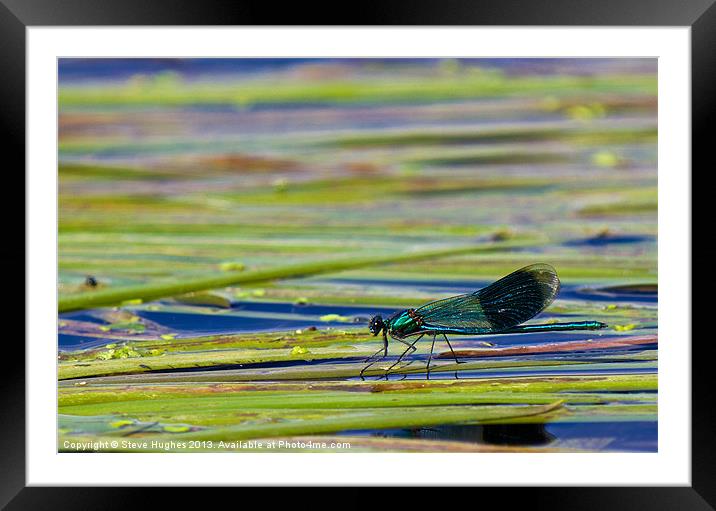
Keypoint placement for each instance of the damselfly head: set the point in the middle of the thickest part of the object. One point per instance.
(376, 325)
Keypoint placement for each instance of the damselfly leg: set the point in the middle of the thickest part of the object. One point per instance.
(451, 350)
(430, 358)
(383, 350)
(410, 362)
(453, 354)
(411, 346)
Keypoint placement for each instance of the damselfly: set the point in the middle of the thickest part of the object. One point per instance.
(499, 308)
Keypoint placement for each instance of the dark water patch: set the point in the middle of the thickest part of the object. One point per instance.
(609, 239)
(632, 293)
(208, 324)
(82, 316)
(632, 289)
(516, 434)
(67, 342)
(600, 295)
(634, 436)
(493, 434)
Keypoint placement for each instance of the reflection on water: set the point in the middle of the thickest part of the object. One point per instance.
(636, 436)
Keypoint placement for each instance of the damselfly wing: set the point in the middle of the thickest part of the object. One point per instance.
(506, 303)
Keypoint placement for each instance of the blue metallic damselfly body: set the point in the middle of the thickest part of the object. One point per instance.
(499, 308)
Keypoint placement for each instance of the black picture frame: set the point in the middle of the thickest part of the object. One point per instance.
(17, 15)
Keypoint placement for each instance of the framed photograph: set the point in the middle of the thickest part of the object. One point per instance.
(428, 249)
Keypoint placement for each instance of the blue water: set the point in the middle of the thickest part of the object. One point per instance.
(206, 324)
(122, 68)
(188, 324)
(636, 436)
(603, 241)
(68, 342)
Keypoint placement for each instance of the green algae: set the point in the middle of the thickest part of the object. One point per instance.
(151, 92)
(153, 291)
